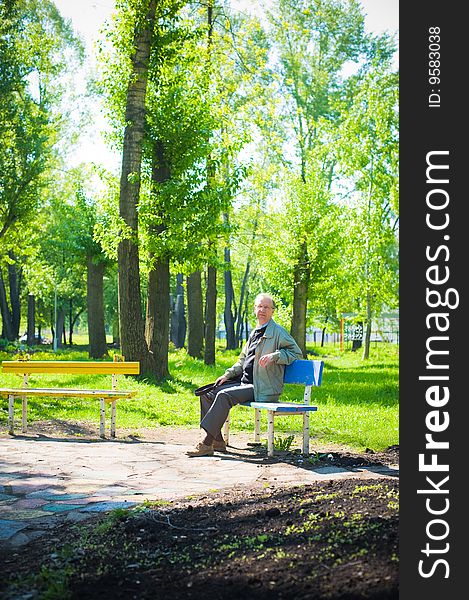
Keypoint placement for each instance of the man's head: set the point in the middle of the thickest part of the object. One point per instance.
(264, 307)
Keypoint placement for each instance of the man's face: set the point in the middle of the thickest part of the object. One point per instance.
(263, 310)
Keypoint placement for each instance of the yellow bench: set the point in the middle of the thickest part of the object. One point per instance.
(25, 368)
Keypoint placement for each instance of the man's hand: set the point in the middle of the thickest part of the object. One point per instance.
(221, 380)
(266, 359)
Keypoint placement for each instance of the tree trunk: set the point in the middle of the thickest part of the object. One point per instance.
(72, 325)
(59, 326)
(157, 321)
(246, 309)
(158, 294)
(210, 315)
(195, 315)
(178, 317)
(116, 341)
(95, 306)
(323, 335)
(228, 315)
(323, 332)
(14, 279)
(131, 325)
(300, 299)
(242, 300)
(366, 346)
(31, 329)
(5, 310)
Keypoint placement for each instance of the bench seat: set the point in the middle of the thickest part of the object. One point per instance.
(25, 368)
(283, 407)
(304, 372)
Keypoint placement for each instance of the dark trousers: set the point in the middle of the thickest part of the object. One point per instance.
(215, 406)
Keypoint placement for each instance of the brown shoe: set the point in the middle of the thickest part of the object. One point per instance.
(219, 445)
(201, 450)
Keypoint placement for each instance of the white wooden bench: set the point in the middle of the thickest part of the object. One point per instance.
(25, 368)
(306, 372)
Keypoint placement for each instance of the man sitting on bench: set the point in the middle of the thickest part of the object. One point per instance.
(257, 375)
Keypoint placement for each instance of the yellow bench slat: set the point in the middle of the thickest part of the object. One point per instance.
(5, 392)
(70, 367)
(67, 367)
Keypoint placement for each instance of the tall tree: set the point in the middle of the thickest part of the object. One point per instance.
(36, 48)
(95, 308)
(130, 309)
(34, 44)
(195, 315)
(368, 151)
(315, 39)
(178, 314)
(158, 299)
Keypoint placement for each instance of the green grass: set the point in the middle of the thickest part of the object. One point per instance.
(357, 402)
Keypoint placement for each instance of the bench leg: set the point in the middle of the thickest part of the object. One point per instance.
(257, 426)
(102, 418)
(24, 414)
(11, 415)
(113, 419)
(270, 433)
(306, 433)
(226, 431)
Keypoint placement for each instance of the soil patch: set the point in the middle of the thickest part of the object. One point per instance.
(335, 539)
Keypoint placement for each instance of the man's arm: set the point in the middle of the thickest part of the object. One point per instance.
(235, 370)
(287, 352)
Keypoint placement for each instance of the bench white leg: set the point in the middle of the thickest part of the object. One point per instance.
(257, 425)
(102, 418)
(226, 431)
(11, 415)
(306, 433)
(270, 433)
(24, 415)
(113, 419)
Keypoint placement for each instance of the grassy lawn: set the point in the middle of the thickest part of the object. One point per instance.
(357, 402)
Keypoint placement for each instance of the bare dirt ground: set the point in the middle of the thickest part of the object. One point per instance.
(336, 539)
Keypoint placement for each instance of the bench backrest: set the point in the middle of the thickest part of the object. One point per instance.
(307, 372)
(23, 367)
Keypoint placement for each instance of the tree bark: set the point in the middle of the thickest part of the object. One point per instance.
(228, 316)
(300, 299)
(367, 341)
(60, 326)
(14, 280)
(158, 293)
(157, 321)
(210, 315)
(31, 329)
(5, 310)
(178, 317)
(242, 301)
(323, 332)
(95, 306)
(131, 324)
(116, 341)
(195, 315)
(73, 322)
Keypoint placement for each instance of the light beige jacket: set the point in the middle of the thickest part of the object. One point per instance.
(268, 381)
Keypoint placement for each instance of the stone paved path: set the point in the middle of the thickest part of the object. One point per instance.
(44, 481)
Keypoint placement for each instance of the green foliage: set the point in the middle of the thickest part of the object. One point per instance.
(283, 443)
(368, 154)
(34, 40)
(112, 518)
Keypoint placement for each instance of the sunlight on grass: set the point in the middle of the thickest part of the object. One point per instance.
(357, 402)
